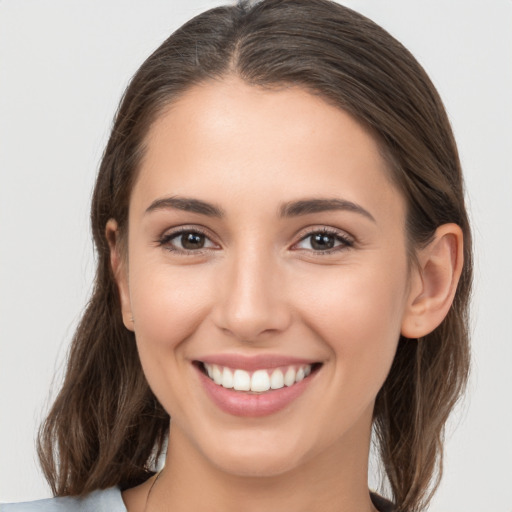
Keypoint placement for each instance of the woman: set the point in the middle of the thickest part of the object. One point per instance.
(284, 265)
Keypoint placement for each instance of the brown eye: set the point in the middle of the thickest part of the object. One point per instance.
(191, 241)
(186, 241)
(324, 241)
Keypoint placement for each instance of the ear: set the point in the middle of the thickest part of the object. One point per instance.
(118, 263)
(434, 282)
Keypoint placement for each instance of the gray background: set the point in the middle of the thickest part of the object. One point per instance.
(63, 67)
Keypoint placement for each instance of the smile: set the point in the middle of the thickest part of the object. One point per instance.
(256, 387)
(259, 381)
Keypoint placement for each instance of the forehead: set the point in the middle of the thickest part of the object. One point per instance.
(224, 139)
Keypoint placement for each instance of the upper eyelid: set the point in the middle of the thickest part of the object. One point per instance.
(302, 235)
(175, 231)
(310, 230)
(346, 243)
(165, 239)
(304, 232)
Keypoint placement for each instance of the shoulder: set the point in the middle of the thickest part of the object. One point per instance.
(107, 500)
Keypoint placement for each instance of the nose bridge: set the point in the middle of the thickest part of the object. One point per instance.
(253, 299)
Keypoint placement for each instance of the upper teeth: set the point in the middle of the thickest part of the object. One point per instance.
(260, 380)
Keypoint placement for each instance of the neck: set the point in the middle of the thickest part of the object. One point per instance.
(332, 481)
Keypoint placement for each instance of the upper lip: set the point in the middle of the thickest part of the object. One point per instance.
(256, 362)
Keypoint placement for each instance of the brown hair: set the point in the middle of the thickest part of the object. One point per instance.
(106, 427)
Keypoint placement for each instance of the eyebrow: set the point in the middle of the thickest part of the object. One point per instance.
(187, 204)
(289, 209)
(307, 206)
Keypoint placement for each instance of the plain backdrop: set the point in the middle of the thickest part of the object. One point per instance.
(63, 67)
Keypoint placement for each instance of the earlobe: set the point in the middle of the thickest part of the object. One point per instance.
(118, 265)
(434, 282)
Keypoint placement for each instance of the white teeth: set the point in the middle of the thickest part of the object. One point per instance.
(289, 377)
(277, 379)
(227, 378)
(242, 380)
(260, 381)
(217, 374)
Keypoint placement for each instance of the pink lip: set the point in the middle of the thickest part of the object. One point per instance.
(253, 363)
(245, 404)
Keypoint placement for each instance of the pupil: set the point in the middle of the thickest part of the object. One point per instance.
(192, 241)
(322, 241)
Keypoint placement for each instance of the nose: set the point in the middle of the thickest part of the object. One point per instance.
(251, 300)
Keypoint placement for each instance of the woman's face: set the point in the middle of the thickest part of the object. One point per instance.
(266, 242)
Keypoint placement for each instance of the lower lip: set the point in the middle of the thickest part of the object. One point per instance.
(240, 403)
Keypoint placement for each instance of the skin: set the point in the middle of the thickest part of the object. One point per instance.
(259, 286)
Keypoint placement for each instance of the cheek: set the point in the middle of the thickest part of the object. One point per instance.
(357, 312)
(167, 304)
(355, 302)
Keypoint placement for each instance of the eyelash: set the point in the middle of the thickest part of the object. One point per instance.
(346, 242)
(165, 240)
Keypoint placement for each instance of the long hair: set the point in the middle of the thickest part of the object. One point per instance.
(106, 427)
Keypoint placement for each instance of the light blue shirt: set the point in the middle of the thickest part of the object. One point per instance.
(107, 500)
(110, 500)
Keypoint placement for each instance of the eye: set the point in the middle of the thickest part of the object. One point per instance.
(186, 241)
(324, 241)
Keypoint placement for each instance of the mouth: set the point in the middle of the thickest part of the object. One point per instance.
(256, 385)
(259, 381)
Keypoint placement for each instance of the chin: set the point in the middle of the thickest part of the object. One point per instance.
(257, 465)
(256, 453)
